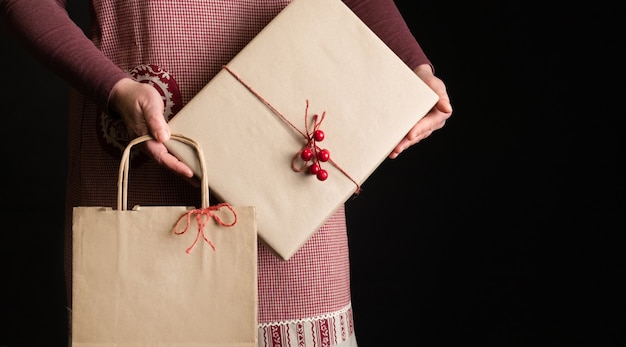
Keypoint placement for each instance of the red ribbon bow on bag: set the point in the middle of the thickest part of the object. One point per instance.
(203, 215)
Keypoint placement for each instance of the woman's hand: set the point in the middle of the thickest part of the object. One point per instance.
(435, 119)
(141, 108)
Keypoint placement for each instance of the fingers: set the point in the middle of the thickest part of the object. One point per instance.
(160, 154)
(434, 120)
(444, 105)
(414, 136)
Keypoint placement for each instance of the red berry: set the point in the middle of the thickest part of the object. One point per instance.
(306, 154)
(322, 175)
(314, 168)
(318, 135)
(323, 155)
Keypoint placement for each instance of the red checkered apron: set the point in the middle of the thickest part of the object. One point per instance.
(179, 46)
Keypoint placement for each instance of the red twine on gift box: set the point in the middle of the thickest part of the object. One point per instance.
(311, 151)
(308, 136)
(203, 215)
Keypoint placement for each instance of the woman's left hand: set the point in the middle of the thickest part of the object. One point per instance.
(435, 119)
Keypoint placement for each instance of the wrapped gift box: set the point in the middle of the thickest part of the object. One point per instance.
(315, 58)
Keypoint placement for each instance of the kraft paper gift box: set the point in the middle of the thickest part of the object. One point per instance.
(315, 58)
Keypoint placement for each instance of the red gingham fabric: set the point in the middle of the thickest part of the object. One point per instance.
(302, 302)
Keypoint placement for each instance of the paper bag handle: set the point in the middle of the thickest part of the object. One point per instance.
(122, 179)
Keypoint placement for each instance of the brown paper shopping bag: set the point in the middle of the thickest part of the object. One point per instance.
(164, 275)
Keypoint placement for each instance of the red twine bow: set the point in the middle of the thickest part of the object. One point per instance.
(308, 136)
(202, 217)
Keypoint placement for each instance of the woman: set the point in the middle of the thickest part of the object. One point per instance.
(178, 46)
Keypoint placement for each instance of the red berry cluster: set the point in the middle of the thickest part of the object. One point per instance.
(317, 155)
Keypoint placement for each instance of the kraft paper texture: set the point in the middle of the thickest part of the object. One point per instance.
(140, 279)
(317, 52)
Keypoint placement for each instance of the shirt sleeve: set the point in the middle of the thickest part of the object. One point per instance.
(386, 21)
(45, 29)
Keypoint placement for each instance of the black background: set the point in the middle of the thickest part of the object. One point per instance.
(505, 228)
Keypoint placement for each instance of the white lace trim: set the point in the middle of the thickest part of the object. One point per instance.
(329, 329)
(311, 319)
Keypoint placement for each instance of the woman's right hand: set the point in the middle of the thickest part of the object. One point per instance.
(141, 107)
